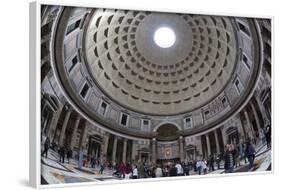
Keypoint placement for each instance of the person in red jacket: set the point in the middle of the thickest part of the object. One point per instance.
(122, 169)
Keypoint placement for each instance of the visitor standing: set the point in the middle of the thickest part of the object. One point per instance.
(46, 147)
(135, 172)
(250, 154)
(80, 158)
(228, 160)
(62, 154)
(158, 171)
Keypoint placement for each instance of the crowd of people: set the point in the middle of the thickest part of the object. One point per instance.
(228, 160)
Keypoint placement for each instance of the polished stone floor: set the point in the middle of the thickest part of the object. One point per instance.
(54, 172)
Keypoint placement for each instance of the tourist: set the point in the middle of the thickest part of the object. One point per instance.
(122, 169)
(166, 171)
(199, 166)
(173, 170)
(128, 171)
(211, 162)
(204, 166)
(185, 169)
(228, 160)
(80, 158)
(268, 135)
(158, 171)
(62, 154)
(101, 167)
(141, 169)
(250, 154)
(46, 147)
(179, 169)
(93, 161)
(68, 154)
(218, 160)
(135, 172)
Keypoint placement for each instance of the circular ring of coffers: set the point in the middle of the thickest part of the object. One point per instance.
(128, 76)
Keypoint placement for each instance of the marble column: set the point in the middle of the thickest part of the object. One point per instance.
(217, 142)
(133, 151)
(249, 129)
(223, 136)
(255, 115)
(63, 128)
(153, 158)
(242, 128)
(54, 123)
(113, 160)
(83, 136)
(181, 149)
(74, 133)
(124, 150)
(105, 145)
(262, 109)
(208, 145)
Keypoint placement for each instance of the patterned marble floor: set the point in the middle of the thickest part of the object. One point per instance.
(54, 172)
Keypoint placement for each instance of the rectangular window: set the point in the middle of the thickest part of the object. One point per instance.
(84, 90)
(103, 108)
(238, 86)
(145, 125)
(74, 61)
(188, 122)
(72, 27)
(206, 114)
(224, 102)
(124, 119)
(145, 122)
(244, 29)
(245, 60)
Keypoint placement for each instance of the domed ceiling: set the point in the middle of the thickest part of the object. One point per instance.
(194, 71)
(129, 67)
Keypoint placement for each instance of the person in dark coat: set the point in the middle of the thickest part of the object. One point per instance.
(62, 154)
(69, 154)
(250, 154)
(173, 170)
(228, 160)
(211, 163)
(46, 147)
(268, 136)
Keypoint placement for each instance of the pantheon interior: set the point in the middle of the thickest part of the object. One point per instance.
(138, 86)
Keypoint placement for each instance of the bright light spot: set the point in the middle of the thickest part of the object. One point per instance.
(164, 37)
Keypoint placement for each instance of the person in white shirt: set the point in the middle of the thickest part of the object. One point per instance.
(135, 172)
(179, 169)
(158, 172)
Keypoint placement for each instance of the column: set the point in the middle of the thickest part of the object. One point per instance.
(105, 145)
(134, 151)
(153, 150)
(74, 133)
(124, 151)
(113, 160)
(181, 149)
(83, 137)
(249, 129)
(223, 137)
(261, 107)
(208, 145)
(217, 142)
(255, 115)
(242, 126)
(63, 128)
(54, 123)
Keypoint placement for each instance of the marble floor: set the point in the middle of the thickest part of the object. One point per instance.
(54, 172)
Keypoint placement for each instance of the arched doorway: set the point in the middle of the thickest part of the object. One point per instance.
(94, 146)
(232, 135)
(168, 148)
